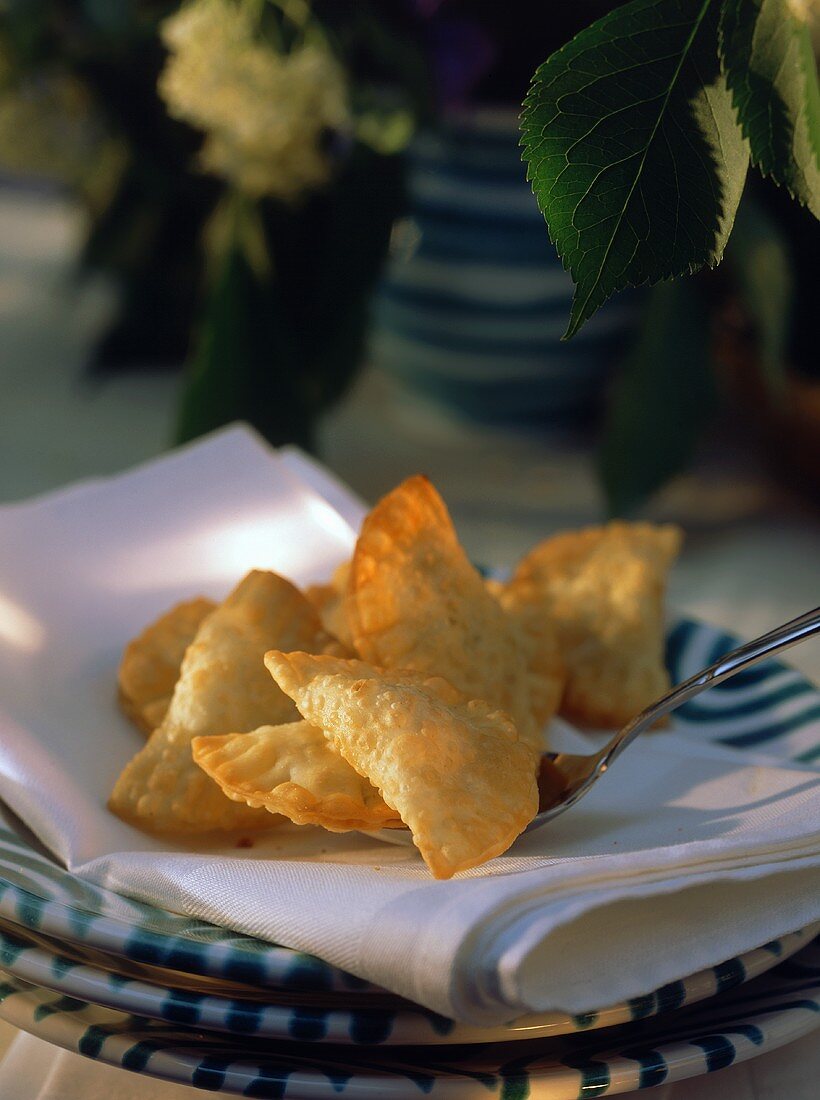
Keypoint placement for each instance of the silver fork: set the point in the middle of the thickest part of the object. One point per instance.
(564, 778)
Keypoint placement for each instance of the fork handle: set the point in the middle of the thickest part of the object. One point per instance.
(746, 655)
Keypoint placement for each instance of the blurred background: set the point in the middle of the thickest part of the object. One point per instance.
(314, 217)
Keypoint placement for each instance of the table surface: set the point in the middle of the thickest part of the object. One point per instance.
(752, 548)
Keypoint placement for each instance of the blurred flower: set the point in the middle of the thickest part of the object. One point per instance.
(386, 129)
(808, 12)
(266, 114)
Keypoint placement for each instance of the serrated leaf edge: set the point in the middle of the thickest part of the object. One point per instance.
(744, 129)
(528, 105)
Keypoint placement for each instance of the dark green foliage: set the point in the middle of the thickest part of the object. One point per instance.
(761, 267)
(770, 70)
(278, 349)
(663, 400)
(637, 135)
(633, 151)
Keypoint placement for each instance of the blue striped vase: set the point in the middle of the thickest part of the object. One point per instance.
(475, 300)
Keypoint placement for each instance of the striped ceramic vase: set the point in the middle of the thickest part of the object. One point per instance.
(475, 300)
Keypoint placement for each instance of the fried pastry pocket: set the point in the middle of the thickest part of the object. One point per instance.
(601, 590)
(455, 769)
(294, 770)
(415, 601)
(150, 664)
(223, 688)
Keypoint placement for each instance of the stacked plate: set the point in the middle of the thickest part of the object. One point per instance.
(138, 987)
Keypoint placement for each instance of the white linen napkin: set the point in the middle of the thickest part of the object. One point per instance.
(684, 856)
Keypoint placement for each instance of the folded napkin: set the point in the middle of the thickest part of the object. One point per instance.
(684, 856)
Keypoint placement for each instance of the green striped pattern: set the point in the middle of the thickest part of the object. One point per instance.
(365, 1026)
(472, 311)
(733, 1026)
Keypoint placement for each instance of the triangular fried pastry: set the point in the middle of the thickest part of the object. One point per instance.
(454, 769)
(416, 602)
(223, 688)
(601, 590)
(294, 770)
(150, 664)
(331, 603)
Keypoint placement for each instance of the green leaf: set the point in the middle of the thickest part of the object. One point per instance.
(219, 373)
(329, 265)
(244, 364)
(759, 258)
(633, 150)
(770, 70)
(662, 401)
(280, 342)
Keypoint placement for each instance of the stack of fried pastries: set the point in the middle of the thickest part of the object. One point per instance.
(404, 692)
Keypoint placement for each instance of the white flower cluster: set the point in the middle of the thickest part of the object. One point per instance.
(266, 114)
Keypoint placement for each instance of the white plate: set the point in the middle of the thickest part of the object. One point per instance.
(772, 1010)
(371, 1024)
